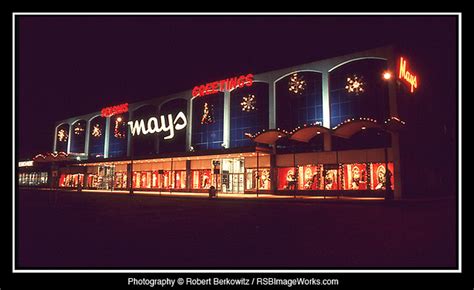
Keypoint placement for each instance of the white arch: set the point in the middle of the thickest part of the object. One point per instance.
(173, 99)
(59, 125)
(77, 120)
(296, 71)
(93, 117)
(355, 59)
(143, 105)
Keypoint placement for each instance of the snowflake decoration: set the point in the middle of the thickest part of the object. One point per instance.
(355, 85)
(296, 84)
(207, 114)
(96, 131)
(78, 130)
(119, 128)
(62, 135)
(248, 103)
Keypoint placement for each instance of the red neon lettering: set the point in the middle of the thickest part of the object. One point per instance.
(208, 89)
(195, 92)
(241, 81)
(405, 75)
(223, 85)
(232, 84)
(110, 111)
(249, 80)
(215, 87)
(202, 90)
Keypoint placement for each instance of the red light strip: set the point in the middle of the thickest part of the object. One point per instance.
(110, 111)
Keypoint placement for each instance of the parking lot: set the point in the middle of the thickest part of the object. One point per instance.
(100, 230)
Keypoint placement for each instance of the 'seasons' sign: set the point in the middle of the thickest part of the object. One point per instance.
(166, 123)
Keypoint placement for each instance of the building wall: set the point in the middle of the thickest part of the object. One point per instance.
(324, 100)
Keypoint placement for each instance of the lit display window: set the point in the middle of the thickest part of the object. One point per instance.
(71, 180)
(331, 180)
(377, 176)
(287, 178)
(355, 177)
(310, 177)
(201, 179)
(33, 179)
(120, 180)
(262, 178)
(180, 179)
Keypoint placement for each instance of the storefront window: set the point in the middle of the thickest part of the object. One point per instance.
(201, 179)
(180, 179)
(377, 176)
(310, 177)
(71, 180)
(331, 181)
(159, 179)
(262, 178)
(33, 179)
(120, 180)
(287, 178)
(355, 177)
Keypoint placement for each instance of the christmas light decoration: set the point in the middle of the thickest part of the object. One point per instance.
(208, 114)
(78, 129)
(355, 85)
(296, 84)
(62, 135)
(96, 131)
(248, 103)
(119, 131)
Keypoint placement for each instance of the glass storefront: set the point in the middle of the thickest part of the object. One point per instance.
(260, 178)
(232, 175)
(120, 180)
(159, 179)
(310, 177)
(71, 180)
(201, 179)
(101, 178)
(228, 175)
(355, 176)
(33, 179)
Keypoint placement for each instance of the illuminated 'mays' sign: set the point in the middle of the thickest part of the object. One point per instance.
(166, 124)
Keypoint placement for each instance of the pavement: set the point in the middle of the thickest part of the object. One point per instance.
(101, 230)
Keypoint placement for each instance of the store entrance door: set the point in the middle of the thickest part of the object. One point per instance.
(233, 175)
(105, 177)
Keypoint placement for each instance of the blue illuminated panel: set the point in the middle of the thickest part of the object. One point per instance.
(211, 135)
(251, 118)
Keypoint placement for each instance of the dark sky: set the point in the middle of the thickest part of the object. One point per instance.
(73, 65)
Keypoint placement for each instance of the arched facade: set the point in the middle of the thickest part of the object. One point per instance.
(96, 137)
(144, 144)
(62, 138)
(299, 99)
(118, 135)
(357, 89)
(78, 137)
(208, 122)
(178, 142)
(248, 113)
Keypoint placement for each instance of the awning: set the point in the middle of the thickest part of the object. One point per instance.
(306, 133)
(48, 157)
(349, 127)
(267, 137)
(394, 124)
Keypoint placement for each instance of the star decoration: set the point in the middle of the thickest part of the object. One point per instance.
(296, 84)
(248, 103)
(355, 85)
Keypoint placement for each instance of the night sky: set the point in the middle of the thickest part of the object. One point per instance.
(73, 65)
